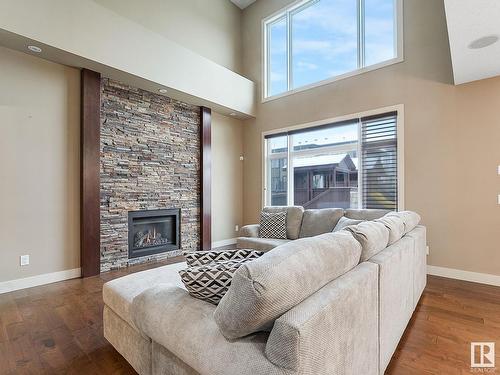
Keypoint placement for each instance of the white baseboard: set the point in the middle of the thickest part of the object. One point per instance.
(46, 278)
(229, 241)
(476, 277)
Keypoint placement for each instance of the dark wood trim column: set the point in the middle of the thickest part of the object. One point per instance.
(90, 216)
(206, 177)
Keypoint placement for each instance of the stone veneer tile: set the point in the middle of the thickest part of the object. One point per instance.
(150, 159)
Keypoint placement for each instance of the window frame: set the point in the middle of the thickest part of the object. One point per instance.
(299, 5)
(399, 108)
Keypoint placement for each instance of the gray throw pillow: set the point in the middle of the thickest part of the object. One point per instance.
(210, 282)
(273, 225)
(201, 258)
(345, 222)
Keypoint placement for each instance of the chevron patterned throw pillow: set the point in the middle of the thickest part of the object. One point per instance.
(210, 282)
(201, 258)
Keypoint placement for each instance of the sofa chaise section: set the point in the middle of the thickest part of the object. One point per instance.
(119, 328)
(333, 331)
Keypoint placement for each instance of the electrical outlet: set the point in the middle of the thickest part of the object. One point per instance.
(243, 158)
(498, 170)
(427, 251)
(25, 260)
(236, 228)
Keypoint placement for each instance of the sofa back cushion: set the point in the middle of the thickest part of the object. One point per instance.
(319, 221)
(373, 237)
(293, 219)
(345, 222)
(265, 288)
(395, 225)
(364, 214)
(410, 219)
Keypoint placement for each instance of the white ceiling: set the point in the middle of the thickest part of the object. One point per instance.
(469, 20)
(242, 4)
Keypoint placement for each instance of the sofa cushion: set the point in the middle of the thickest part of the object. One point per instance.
(293, 219)
(261, 244)
(364, 214)
(119, 293)
(272, 225)
(185, 326)
(372, 236)
(344, 222)
(211, 281)
(201, 258)
(410, 219)
(265, 288)
(395, 225)
(319, 221)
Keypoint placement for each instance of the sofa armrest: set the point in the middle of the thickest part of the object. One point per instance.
(251, 230)
(333, 331)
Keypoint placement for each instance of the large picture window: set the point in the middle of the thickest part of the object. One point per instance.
(318, 40)
(348, 164)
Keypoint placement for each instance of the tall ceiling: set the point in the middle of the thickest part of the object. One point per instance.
(242, 4)
(470, 21)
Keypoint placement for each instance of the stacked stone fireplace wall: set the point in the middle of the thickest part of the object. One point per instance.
(150, 159)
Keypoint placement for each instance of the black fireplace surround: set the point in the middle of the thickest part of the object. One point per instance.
(153, 231)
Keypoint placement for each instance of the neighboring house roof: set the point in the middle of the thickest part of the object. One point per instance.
(342, 160)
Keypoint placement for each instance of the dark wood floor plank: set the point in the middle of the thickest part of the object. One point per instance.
(57, 328)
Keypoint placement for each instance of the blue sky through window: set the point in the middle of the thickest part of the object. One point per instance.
(379, 31)
(324, 41)
(277, 57)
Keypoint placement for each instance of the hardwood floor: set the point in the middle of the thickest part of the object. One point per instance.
(450, 315)
(57, 328)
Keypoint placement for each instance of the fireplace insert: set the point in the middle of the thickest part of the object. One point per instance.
(153, 231)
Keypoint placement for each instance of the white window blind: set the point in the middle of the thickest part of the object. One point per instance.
(379, 161)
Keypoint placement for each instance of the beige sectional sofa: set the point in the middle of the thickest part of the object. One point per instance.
(335, 314)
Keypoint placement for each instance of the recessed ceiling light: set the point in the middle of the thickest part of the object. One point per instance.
(162, 91)
(485, 41)
(35, 49)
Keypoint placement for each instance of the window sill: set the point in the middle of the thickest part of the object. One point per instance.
(327, 81)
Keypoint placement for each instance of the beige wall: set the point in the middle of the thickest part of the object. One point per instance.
(451, 134)
(227, 176)
(208, 27)
(39, 165)
(214, 32)
(83, 33)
